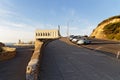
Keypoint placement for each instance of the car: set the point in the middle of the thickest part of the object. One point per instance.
(71, 37)
(83, 40)
(75, 39)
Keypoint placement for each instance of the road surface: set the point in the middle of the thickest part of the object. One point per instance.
(61, 61)
(15, 69)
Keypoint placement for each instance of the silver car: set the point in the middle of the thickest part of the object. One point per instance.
(75, 39)
(83, 41)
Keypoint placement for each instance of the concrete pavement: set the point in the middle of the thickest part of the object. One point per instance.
(61, 61)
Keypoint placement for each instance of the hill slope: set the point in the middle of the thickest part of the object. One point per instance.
(108, 29)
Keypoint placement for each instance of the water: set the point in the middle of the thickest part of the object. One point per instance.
(9, 44)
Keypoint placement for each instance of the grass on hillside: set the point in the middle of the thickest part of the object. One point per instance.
(112, 31)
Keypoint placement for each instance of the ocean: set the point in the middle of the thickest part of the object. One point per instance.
(9, 44)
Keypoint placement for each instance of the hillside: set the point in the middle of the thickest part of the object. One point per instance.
(108, 29)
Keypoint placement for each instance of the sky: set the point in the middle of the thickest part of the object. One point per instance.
(20, 18)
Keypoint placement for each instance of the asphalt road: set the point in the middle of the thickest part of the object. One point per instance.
(14, 69)
(61, 61)
(112, 47)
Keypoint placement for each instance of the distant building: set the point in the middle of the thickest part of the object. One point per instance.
(47, 34)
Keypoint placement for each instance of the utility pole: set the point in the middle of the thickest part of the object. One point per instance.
(67, 29)
(59, 29)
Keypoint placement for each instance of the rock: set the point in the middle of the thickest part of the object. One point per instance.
(1, 49)
(7, 53)
(2, 44)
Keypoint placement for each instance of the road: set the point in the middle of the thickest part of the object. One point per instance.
(14, 69)
(61, 61)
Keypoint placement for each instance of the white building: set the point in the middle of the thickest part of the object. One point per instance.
(47, 34)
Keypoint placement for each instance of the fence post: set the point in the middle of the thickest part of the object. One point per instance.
(118, 54)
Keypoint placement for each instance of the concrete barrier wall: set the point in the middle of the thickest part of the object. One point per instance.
(32, 69)
(33, 66)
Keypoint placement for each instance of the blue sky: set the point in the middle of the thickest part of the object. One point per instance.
(20, 18)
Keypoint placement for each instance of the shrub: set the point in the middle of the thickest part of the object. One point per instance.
(92, 36)
(112, 31)
(111, 36)
(117, 36)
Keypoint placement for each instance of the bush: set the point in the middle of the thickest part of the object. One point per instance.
(112, 31)
(92, 36)
(112, 27)
(111, 36)
(117, 36)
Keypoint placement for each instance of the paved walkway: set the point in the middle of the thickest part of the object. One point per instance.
(61, 61)
(15, 69)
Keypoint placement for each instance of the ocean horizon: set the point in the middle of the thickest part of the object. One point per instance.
(9, 44)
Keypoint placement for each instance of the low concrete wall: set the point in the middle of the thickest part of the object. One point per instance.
(33, 65)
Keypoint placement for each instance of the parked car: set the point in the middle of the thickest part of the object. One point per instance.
(83, 40)
(75, 39)
(71, 37)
